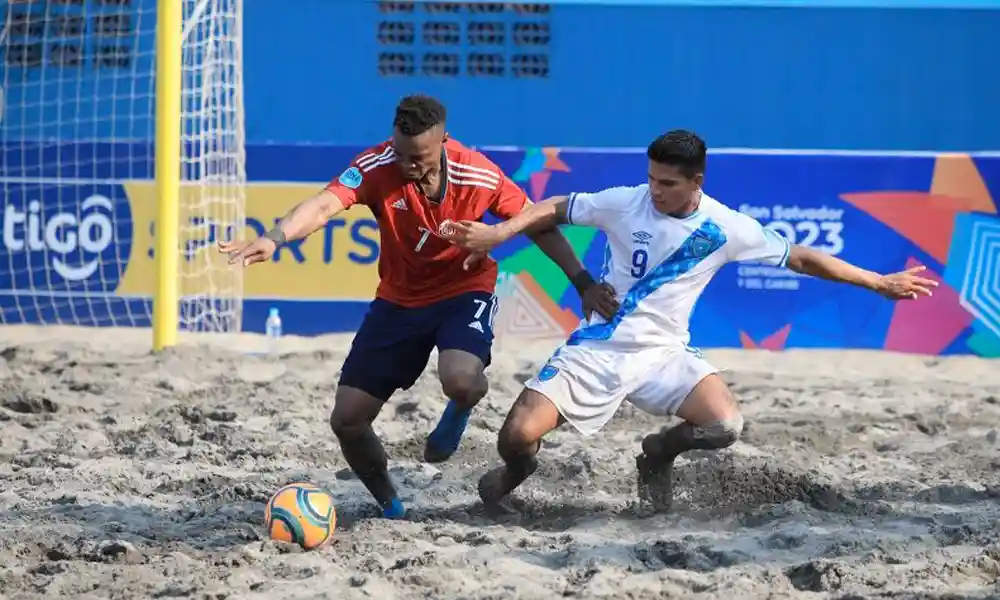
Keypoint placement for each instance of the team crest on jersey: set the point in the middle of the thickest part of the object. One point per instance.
(547, 373)
(351, 178)
(700, 246)
(641, 237)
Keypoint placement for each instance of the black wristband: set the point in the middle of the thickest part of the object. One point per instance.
(276, 235)
(582, 280)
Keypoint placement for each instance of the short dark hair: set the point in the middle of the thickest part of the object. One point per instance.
(418, 113)
(681, 148)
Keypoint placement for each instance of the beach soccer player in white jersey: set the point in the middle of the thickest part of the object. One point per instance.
(666, 240)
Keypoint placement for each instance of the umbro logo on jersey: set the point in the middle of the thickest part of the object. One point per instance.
(641, 237)
(400, 204)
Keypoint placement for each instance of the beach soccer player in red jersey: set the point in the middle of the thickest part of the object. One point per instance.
(431, 292)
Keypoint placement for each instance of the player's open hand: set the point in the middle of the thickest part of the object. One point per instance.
(905, 285)
(472, 235)
(248, 253)
(599, 298)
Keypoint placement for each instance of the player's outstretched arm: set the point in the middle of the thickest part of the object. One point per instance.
(309, 216)
(536, 218)
(595, 297)
(905, 285)
(305, 218)
(539, 222)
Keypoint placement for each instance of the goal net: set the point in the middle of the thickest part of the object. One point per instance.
(77, 129)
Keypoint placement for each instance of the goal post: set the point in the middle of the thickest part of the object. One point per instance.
(168, 171)
(122, 162)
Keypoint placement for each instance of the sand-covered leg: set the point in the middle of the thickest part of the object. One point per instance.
(491, 487)
(531, 417)
(389, 353)
(659, 451)
(496, 485)
(351, 421)
(367, 458)
(711, 421)
(495, 488)
(655, 480)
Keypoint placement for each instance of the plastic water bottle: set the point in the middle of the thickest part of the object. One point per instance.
(272, 329)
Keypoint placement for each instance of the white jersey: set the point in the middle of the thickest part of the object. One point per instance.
(659, 265)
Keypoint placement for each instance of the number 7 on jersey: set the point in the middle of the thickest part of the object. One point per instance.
(424, 234)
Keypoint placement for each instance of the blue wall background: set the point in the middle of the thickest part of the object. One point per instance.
(846, 78)
(837, 75)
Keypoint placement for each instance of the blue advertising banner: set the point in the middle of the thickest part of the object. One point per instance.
(882, 212)
(80, 250)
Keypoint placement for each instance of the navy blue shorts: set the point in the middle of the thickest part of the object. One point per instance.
(394, 343)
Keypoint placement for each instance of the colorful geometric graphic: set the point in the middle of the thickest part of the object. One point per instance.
(775, 341)
(527, 312)
(974, 269)
(930, 325)
(955, 223)
(536, 169)
(532, 285)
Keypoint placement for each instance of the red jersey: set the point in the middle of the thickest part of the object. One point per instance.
(416, 266)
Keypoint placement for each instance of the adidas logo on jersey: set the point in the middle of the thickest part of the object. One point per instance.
(400, 204)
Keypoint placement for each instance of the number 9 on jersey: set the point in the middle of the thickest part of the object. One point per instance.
(640, 260)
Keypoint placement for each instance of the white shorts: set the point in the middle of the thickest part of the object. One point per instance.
(588, 385)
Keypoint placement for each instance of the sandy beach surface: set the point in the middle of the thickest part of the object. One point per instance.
(126, 474)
